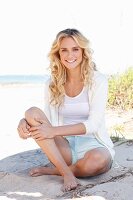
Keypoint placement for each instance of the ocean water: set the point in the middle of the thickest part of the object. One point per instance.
(23, 79)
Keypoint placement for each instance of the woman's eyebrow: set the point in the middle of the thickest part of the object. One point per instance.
(68, 48)
(63, 48)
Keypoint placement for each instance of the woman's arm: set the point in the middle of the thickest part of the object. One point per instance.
(44, 130)
(97, 104)
(67, 130)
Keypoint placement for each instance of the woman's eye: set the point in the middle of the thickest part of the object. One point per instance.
(63, 50)
(76, 49)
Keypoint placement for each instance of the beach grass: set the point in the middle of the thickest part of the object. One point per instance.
(120, 95)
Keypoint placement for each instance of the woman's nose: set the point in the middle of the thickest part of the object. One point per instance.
(70, 54)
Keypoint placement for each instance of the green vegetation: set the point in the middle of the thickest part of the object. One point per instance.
(121, 90)
(117, 133)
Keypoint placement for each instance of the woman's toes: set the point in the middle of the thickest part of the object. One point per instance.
(34, 172)
(69, 187)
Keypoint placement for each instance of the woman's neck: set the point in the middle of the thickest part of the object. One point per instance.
(74, 76)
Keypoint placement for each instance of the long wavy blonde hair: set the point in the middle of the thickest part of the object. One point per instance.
(58, 70)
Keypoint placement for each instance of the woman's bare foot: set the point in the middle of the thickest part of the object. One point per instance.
(70, 183)
(39, 171)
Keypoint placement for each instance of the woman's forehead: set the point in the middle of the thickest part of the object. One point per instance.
(67, 42)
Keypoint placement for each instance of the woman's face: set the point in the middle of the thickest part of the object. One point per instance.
(70, 53)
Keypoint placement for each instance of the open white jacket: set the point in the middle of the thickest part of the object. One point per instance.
(95, 124)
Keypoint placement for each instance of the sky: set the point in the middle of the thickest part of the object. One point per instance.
(28, 28)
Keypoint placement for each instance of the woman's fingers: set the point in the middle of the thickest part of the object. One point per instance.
(27, 126)
(21, 133)
(37, 136)
(34, 128)
(23, 129)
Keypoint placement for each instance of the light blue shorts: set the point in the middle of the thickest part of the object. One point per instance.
(80, 145)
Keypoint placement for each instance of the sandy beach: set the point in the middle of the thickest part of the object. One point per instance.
(15, 99)
(17, 155)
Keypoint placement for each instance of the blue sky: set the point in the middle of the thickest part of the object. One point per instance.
(28, 28)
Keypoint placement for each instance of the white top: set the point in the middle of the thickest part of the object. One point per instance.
(75, 109)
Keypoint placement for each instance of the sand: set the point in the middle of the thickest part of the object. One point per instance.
(17, 156)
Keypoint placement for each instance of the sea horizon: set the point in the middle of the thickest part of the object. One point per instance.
(7, 79)
(23, 79)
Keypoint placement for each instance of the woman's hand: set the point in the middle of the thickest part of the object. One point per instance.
(23, 129)
(42, 131)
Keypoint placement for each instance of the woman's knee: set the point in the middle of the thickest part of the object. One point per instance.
(34, 113)
(100, 159)
(94, 163)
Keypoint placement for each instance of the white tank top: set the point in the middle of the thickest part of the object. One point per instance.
(75, 109)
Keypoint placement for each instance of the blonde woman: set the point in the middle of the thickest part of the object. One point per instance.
(71, 129)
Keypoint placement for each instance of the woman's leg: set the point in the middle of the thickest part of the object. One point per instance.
(58, 156)
(94, 162)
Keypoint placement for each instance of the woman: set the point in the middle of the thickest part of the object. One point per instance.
(71, 130)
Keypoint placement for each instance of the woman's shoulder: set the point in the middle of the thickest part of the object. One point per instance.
(98, 76)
